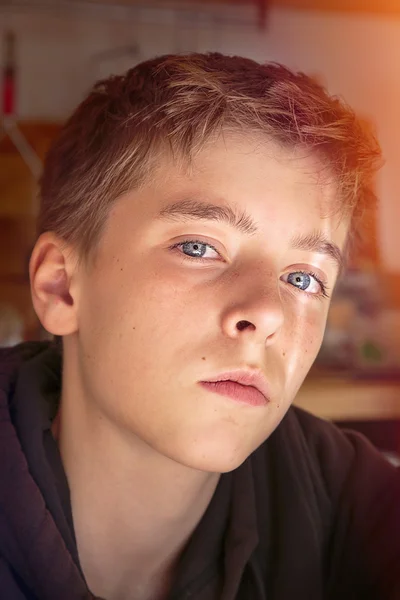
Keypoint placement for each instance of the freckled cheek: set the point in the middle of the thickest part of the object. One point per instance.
(314, 327)
(302, 343)
(158, 307)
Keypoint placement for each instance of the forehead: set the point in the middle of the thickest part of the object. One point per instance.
(217, 160)
(257, 174)
(285, 199)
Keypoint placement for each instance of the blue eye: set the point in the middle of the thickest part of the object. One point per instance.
(306, 282)
(196, 249)
(299, 280)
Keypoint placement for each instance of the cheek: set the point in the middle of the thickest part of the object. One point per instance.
(140, 310)
(302, 345)
(312, 335)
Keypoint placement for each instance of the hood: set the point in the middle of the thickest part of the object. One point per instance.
(30, 541)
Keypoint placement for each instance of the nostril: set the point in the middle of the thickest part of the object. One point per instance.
(243, 325)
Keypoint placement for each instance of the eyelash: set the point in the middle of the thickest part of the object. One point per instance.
(323, 286)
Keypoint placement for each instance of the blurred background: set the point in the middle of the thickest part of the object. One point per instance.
(53, 51)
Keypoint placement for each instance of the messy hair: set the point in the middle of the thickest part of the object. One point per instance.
(176, 103)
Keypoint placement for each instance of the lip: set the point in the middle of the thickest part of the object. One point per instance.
(249, 387)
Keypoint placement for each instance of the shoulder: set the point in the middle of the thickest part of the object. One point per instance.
(10, 584)
(364, 496)
(333, 446)
(335, 484)
(339, 460)
(13, 358)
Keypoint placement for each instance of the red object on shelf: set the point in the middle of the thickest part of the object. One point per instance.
(8, 93)
(9, 71)
(8, 124)
(262, 6)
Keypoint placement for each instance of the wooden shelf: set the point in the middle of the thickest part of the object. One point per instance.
(18, 207)
(339, 399)
(38, 133)
(357, 6)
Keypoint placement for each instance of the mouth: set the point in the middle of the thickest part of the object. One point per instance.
(246, 387)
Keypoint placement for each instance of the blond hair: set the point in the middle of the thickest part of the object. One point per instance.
(177, 103)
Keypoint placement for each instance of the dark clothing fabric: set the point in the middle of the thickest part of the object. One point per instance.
(314, 513)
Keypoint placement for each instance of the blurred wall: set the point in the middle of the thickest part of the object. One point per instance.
(355, 56)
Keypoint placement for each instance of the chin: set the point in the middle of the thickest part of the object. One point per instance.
(216, 464)
(220, 455)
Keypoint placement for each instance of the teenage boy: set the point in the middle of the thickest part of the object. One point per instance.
(195, 214)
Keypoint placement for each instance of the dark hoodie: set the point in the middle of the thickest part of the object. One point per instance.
(313, 514)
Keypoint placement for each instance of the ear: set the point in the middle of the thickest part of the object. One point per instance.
(51, 269)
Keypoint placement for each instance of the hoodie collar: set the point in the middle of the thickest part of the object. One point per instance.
(45, 555)
(30, 541)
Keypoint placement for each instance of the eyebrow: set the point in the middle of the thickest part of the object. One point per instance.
(317, 242)
(202, 211)
(240, 220)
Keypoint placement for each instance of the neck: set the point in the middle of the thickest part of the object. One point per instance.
(130, 505)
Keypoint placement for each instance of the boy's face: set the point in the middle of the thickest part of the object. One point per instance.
(176, 298)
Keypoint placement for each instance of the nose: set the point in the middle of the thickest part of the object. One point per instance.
(255, 311)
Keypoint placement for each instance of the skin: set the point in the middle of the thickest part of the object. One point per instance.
(145, 323)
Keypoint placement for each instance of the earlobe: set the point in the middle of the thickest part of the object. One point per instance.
(51, 268)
